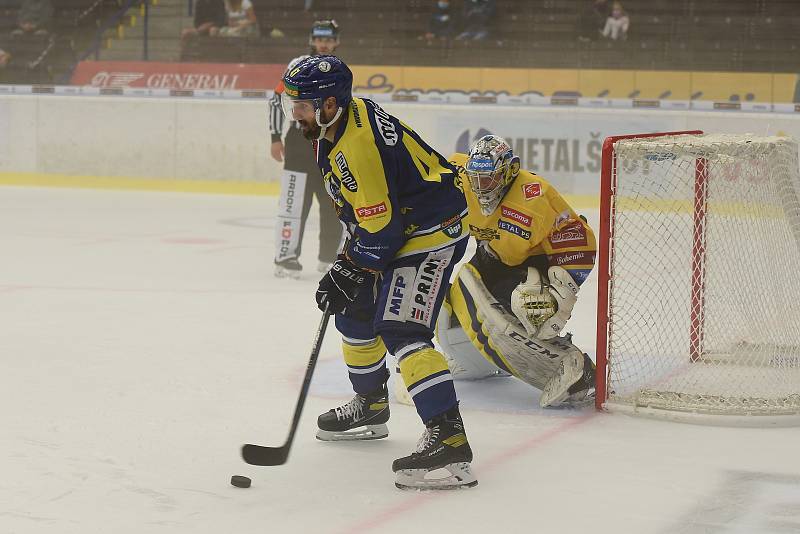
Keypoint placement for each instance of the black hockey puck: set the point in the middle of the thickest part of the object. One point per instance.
(240, 482)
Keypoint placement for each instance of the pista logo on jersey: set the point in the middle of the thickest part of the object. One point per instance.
(516, 215)
(573, 235)
(513, 229)
(484, 234)
(348, 180)
(367, 212)
(385, 126)
(531, 191)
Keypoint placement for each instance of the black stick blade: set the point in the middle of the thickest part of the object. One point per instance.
(258, 455)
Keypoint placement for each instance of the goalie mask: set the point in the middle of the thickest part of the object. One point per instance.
(490, 168)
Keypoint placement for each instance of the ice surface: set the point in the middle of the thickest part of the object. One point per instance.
(144, 339)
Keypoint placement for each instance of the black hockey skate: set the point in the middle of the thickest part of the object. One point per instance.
(443, 445)
(345, 423)
(289, 268)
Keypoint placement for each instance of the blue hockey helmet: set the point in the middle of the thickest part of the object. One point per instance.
(309, 83)
(317, 78)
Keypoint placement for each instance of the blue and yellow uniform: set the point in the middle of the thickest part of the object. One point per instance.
(404, 213)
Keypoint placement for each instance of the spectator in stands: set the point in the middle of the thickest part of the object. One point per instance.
(440, 25)
(241, 20)
(208, 15)
(593, 19)
(477, 16)
(34, 18)
(5, 57)
(617, 24)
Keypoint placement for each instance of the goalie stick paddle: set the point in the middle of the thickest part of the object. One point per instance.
(261, 455)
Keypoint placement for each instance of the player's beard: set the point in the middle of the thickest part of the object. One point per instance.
(310, 128)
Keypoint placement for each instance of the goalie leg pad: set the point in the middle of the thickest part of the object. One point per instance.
(534, 361)
(568, 373)
(463, 358)
(489, 328)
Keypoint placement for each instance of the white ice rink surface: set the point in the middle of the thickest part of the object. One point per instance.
(144, 339)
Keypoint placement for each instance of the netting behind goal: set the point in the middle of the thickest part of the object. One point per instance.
(701, 273)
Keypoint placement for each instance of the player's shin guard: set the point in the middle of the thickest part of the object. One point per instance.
(427, 379)
(366, 363)
(443, 445)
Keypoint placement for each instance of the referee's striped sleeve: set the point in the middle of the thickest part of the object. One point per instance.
(276, 116)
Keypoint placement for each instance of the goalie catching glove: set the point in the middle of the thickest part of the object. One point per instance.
(544, 309)
(341, 284)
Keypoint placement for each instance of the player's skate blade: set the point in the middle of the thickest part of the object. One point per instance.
(366, 433)
(460, 477)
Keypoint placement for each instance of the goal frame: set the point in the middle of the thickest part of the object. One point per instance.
(608, 185)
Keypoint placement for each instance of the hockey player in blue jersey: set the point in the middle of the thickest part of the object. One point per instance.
(403, 212)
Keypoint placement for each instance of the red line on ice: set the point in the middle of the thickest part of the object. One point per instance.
(495, 461)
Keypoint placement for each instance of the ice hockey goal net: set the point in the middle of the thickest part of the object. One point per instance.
(699, 282)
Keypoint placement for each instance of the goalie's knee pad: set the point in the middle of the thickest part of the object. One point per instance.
(463, 358)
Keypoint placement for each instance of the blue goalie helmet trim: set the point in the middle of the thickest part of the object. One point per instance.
(319, 77)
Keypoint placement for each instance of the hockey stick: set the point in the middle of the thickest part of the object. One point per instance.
(260, 455)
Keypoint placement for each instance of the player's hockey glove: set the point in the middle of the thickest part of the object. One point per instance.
(341, 284)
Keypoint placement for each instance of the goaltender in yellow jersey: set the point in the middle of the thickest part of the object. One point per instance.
(514, 297)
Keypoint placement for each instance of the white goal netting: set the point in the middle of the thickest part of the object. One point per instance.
(704, 306)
